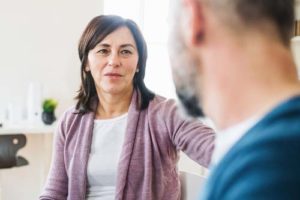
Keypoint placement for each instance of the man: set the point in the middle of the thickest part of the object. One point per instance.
(231, 60)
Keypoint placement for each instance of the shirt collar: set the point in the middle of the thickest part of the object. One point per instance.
(227, 138)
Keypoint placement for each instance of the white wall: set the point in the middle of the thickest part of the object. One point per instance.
(39, 43)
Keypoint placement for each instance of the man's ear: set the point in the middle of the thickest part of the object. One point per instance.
(196, 21)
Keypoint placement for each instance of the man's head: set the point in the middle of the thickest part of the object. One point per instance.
(205, 31)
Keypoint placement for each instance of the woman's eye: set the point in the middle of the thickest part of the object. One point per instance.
(103, 51)
(126, 52)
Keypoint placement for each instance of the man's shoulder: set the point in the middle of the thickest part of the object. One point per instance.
(275, 143)
(261, 166)
(264, 160)
(274, 139)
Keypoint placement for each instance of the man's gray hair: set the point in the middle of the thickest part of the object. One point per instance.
(252, 13)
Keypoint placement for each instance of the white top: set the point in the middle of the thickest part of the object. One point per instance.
(108, 137)
(227, 138)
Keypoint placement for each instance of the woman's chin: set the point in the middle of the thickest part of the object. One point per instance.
(113, 91)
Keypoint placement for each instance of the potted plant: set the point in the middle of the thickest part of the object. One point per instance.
(48, 115)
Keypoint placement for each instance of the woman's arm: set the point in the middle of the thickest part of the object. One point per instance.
(189, 135)
(56, 187)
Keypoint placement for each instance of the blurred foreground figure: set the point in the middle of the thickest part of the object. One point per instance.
(231, 60)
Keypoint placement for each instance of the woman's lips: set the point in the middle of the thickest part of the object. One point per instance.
(113, 75)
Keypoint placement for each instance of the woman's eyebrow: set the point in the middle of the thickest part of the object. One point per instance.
(127, 45)
(121, 46)
(103, 45)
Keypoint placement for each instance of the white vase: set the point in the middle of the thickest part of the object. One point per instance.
(34, 102)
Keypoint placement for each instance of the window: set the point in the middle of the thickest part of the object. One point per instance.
(151, 16)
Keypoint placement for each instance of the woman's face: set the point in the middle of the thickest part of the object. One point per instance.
(113, 62)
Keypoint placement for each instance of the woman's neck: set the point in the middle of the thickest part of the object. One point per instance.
(113, 105)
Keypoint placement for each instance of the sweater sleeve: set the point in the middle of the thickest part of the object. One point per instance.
(56, 187)
(191, 136)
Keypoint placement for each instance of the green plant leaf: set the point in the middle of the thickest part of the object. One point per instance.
(49, 105)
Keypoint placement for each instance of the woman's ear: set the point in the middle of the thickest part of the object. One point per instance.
(87, 68)
(195, 21)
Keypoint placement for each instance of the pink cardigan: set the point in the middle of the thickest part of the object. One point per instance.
(148, 164)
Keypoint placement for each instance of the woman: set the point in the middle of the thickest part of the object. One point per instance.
(121, 141)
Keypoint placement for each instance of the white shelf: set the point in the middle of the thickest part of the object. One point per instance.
(27, 129)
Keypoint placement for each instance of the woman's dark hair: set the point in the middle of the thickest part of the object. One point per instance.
(97, 29)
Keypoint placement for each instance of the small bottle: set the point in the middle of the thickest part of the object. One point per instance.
(34, 102)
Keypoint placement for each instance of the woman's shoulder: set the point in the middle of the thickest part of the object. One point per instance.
(71, 114)
(162, 101)
(71, 119)
(162, 105)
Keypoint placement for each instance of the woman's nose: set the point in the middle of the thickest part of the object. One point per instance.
(114, 60)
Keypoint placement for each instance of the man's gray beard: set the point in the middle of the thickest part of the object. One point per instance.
(187, 89)
(185, 76)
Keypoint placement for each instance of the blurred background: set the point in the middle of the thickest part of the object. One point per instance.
(38, 60)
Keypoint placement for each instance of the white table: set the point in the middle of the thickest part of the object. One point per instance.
(27, 129)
